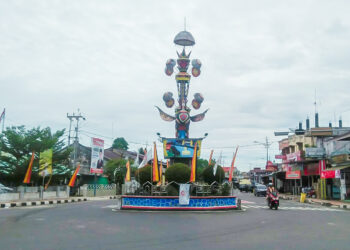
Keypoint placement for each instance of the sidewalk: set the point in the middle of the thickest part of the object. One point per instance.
(329, 203)
(53, 201)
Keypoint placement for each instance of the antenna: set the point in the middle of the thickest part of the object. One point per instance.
(315, 103)
(185, 23)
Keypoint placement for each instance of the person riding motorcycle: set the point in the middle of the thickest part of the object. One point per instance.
(269, 191)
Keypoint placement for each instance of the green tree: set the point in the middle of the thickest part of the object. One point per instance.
(141, 151)
(178, 172)
(117, 166)
(209, 177)
(144, 174)
(201, 165)
(17, 145)
(120, 143)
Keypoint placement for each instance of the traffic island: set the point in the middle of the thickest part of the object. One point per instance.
(171, 203)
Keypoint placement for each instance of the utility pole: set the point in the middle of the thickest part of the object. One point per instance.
(267, 145)
(77, 117)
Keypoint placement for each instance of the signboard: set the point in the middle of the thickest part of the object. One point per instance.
(184, 194)
(296, 156)
(180, 148)
(45, 163)
(292, 175)
(97, 152)
(330, 174)
(315, 153)
(281, 157)
(311, 169)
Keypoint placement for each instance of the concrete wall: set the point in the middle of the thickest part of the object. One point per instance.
(9, 196)
(31, 196)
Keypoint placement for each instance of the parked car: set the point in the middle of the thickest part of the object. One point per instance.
(260, 190)
(4, 189)
(243, 187)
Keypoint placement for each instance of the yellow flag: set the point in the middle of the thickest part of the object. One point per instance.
(45, 162)
(127, 176)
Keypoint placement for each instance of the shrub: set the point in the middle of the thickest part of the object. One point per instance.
(178, 172)
(225, 190)
(172, 191)
(144, 174)
(209, 177)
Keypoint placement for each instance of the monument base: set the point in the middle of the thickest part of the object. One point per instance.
(163, 203)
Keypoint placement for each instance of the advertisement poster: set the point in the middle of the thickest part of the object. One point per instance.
(180, 148)
(97, 153)
(184, 194)
(45, 163)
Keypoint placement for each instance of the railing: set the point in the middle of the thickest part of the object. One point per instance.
(172, 189)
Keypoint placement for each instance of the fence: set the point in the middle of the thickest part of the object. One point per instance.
(24, 193)
(172, 189)
(91, 190)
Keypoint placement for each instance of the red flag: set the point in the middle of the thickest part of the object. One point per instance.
(194, 163)
(167, 164)
(74, 176)
(29, 170)
(232, 165)
(155, 165)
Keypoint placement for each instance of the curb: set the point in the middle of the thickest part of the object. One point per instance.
(48, 202)
(324, 203)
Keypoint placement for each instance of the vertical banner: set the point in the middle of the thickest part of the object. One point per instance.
(232, 165)
(97, 153)
(74, 176)
(127, 176)
(184, 194)
(45, 163)
(155, 175)
(167, 164)
(29, 170)
(194, 164)
(211, 156)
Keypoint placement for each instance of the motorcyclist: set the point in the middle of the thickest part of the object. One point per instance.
(269, 191)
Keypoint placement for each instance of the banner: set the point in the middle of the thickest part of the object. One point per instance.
(184, 194)
(127, 176)
(97, 153)
(155, 170)
(293, 175)
(45, 163)
(74, 176)
(180, 148)
(210, 157)
(147, 156)
(194, 164)
(232, 166)
(29, 170)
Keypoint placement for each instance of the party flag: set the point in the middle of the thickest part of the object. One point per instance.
(232, 165)
(74, 176)
(29, 170)
(194, 163)
(155, 165)
(167, 164)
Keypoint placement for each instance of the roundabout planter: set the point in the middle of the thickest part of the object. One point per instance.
(161, 203)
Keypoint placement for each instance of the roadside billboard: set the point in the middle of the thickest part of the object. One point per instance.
(180, 148)
(97, 152)
(293, 175)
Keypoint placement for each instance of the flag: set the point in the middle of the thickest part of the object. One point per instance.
(2, 115)
(194, 163)
(45, 162)
(155, 165)
(216, 164)
(161, 172)
(146, 157)
(167, 164)
(232, 165)
(127, 176)
(136, 162)
(74, 176)
(211, 155)
(29, 170)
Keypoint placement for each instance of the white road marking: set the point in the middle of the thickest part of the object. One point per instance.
(81, 226)
(111, 206)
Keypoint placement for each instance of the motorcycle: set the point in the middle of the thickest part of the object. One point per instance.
(273, 200)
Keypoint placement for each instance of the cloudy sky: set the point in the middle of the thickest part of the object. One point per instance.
(262, 62)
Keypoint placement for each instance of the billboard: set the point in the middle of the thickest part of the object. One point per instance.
(97, 153)
(292, 175)
(180, 148)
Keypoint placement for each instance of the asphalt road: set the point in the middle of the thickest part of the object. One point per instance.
(96, 225)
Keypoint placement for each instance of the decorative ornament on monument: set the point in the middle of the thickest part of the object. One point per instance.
(196, 67)
(169, 67)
